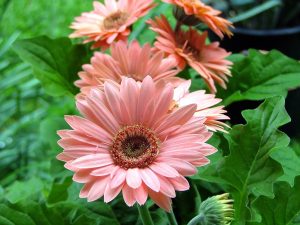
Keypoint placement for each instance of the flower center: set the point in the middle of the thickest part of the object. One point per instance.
(115, 20)
(134, 146)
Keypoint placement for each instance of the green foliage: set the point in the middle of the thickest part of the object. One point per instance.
(261, 75)
(283, 209)
(54, 62)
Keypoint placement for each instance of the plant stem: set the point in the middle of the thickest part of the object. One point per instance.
(145, 215)
(200, 219)
(172, 218)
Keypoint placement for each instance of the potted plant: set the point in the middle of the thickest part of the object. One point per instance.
(265, 25)
(262, 24)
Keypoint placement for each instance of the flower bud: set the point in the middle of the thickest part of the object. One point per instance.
(216, 210)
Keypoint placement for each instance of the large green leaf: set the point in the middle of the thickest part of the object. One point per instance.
(290, 161)
(249, 169)
(258, 76)
(284, 209)
(29, 212)
(55, 62)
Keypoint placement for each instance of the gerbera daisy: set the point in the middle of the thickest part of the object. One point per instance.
(132, 61)
(129, 142)
(205, 106)
(110, 21)
(204, 13)
(189, 47)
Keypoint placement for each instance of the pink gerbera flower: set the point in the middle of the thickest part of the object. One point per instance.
(208, 15)
(189, 47)
(131, 61)
(205, 106)
(110, 21)
(129, 142)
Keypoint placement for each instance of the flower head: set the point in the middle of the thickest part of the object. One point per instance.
(129, 142)
(110, 21)
(189, 47)
(131, 61)
(205, 106)
(217, 210)
(204, 13)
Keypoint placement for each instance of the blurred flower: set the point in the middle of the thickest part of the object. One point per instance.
(204, 13)
(110, 21)
(205, 103)
(189, 47)
(129, 141)
(131, 61)
(217, 210)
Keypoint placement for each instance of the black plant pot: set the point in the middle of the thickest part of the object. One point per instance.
(286, 40)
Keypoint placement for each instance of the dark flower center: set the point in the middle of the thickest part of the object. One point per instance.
(134, 146)
(115, 20)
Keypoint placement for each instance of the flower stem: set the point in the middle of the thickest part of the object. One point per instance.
(145, 215)
(200, 219)
(172, 218)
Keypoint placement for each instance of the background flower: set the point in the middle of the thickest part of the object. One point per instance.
(189, 47)
(133, 61)
(110, 21)
(204, 13)
(205, 106)
(130, 142)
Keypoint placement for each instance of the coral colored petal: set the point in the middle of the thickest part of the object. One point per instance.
(98, 188)
(180, 183)
(110, 193)
(161, 200)
(141, 194)
(133, 178)
(118, 178)
(164, 169)
(150, 179)
(128, 195)
(92, 161)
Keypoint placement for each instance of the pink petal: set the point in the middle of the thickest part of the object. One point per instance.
(164, 169)
(161, 200)
(92, 161)
(97, 190)
(133, 178)
(141, 194)
(118, 178)
(150, 179)
(128, 195)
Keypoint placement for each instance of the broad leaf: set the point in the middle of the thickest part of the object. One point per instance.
(284, 208)
(249, 169)
(259, 76)
(290, 161)
(54, 62)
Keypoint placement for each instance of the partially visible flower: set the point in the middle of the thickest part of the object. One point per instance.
(129, 141)
(204, 13)
(131, 61)
(205, 106)
(189, 47)
(110, 21)
(216, 210)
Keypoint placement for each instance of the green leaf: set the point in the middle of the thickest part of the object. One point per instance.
(290, 161)
(284, 209)
(55, 62)
(22, 190)
(59, 191)
(249, 169)
(259, 76)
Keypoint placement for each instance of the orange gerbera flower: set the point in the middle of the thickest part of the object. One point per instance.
(110, 21)
(189, 47)
(204, 13)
